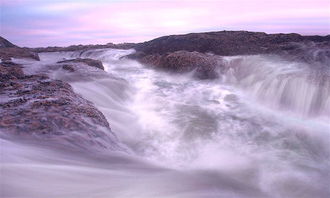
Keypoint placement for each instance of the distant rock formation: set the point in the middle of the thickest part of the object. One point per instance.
(36, 107)
(9, 50)
(83, 47)
(87, 61)
(184, 52)
(5, 43)
(227, 43)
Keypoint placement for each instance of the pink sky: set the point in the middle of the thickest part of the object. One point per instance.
(59, 22)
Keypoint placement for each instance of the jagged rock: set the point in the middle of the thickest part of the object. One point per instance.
(204, 65)
(36, 107)
(87, 61)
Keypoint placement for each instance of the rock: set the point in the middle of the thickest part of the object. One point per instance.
(38, 108)
(9, 50)
(87, 61)
(166, 52)
(4, 43)
(204, 65)
(83, 47)
(10, 70)
(309, 52)
(69, 68)
(225, 43)
(16, 52)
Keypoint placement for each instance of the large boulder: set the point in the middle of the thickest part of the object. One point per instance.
(37, 108)
(205, 66)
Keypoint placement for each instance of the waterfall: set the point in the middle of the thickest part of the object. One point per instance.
(261, 130)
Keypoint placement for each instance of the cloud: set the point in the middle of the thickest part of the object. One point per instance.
(83, 21)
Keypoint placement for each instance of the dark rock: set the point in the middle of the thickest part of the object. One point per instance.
(83, 47)
(9, 50)
(68, 68)
(164, 52)
(225, 43)
(310, 52)
(4, 43)
(87, 61)
(17, 52)
(204, 65)
(9, 70)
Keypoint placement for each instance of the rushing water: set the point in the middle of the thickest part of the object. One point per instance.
(261, 130)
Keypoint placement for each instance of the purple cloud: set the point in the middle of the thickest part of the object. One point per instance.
(43, 23)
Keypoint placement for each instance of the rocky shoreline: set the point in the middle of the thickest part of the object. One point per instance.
(37, 106)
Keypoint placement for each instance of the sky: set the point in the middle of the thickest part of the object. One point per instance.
(40, 23)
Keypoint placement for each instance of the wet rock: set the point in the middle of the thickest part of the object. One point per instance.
(68, 68)
(9, 70)
(38, 108)
(87, 61)
(205, 66)
(309, 52)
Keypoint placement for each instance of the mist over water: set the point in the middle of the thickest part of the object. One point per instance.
(260, 130)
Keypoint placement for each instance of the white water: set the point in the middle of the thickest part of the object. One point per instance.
(262, 130)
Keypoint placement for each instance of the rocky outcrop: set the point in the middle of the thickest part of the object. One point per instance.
(227, 43)
(167, 52)
(36, 107)
(204, 66)
(87, 61)
(4, 43)
(9, 50)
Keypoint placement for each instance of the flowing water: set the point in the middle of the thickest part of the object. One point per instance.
(261, 130)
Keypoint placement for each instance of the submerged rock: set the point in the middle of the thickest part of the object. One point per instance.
(36, 107)
(87, 61)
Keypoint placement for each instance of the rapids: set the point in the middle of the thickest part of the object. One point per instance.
(261, 130)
